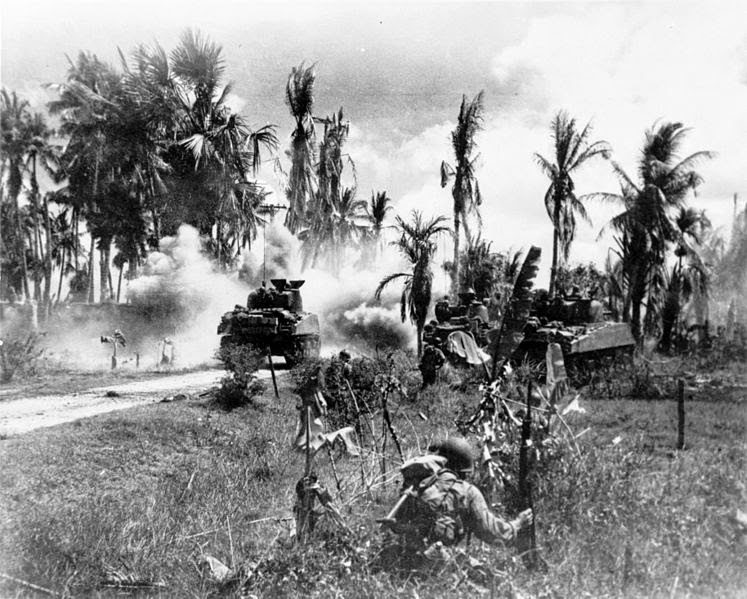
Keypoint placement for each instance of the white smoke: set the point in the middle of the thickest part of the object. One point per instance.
(348, 313)
(184, 296)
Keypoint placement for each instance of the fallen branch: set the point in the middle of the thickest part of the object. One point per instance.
(30, 585)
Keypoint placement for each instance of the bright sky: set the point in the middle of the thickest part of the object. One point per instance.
(400, 71)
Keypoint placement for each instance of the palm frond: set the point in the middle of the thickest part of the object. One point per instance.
(511, 332)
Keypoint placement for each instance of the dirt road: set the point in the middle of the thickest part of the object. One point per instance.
(18, 416)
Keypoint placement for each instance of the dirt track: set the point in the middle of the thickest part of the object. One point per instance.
(18, 416)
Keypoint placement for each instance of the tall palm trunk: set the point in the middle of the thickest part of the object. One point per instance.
(14, 190)
(47, 256)
(62, 275)
(21, 248)
(456, 268)
(91, 207)
(92, 249)
(76, 236)
(36, 238)
(119, 282)
(555, 243)
(638, 293)
(105, 286)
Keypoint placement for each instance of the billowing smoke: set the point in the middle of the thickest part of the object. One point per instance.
(177, 302)
(183, 297)
(349, 316)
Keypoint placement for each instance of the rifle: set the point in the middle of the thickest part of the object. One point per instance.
(526, 541)
(391, 517)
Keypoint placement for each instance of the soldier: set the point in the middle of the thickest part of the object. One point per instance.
(443, 508)
(442, 310)
(346, 369)
(431, 362)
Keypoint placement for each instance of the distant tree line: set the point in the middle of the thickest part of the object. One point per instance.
(149, 145)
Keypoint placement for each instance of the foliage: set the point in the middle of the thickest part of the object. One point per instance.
(645, 230)
(299, 96)
(376, 212)
(364, 377)
(465, 190)
(586, 277)
(19, 353)
(572, 150)
(25, 235)
(416, 243)
(481, 268)
(334, 217)
(183, 481)
(242, 386)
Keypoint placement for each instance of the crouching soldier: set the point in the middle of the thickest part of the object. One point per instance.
(439, 508)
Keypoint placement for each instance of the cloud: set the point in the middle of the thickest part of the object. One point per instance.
(623, 67)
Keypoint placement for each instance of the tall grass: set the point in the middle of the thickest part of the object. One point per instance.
(143, 496)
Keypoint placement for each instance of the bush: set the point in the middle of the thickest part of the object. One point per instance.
(19, 353)
(241, 386)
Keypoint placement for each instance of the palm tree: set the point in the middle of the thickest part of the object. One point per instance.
(63, 247)
(40, 152)
(376, 212)
(417, 244)
(689, 276)
(466, 191)
(89, 114)
(299, 96)
(572, 150)
(481, 268)
(13, 118)
(332, 202)
(645, 229)
(224, 150)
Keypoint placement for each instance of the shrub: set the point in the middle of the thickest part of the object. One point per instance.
(241, 386)
(19, 353)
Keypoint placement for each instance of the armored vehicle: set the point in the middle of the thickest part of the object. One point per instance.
(469, 318)
(275, 319)
(582, 329)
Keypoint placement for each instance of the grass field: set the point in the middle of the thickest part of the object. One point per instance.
(134, 502)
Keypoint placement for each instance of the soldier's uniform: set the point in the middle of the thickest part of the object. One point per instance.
(446, 509)
(443, 508)
(431, 362)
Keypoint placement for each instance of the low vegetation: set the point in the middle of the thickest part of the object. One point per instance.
(144, 501)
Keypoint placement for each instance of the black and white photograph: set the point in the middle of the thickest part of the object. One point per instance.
(417, 299)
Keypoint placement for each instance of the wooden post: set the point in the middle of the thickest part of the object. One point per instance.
(334, 470)
(526, 542)
(272, 372)
(303, 523)
(680, 414)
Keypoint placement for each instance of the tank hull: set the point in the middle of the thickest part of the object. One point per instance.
(274, 321)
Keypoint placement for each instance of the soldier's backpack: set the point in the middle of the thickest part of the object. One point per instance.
(432, 512)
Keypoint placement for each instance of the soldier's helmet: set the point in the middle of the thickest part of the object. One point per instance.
(344, 355)
(457, 452)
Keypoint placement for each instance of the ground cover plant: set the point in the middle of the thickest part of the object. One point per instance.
(145, 501)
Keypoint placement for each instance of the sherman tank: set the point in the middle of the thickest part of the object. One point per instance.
(274, 318)
(581, 327)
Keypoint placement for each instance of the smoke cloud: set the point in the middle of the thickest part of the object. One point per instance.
(180, 296)
(349, 317)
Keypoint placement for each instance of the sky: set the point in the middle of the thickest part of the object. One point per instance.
(400, 70)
